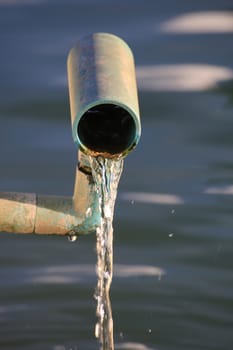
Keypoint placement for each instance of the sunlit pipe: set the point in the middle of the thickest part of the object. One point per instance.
(103, 96)
(43, 214)
(105, 122)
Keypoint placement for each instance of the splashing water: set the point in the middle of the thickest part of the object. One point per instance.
(106, 174)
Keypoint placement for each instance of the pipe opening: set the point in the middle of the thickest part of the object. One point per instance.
(107, 128)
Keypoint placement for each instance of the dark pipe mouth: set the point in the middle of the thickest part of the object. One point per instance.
(107, 128)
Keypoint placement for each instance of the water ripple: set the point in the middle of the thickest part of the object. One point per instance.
(223, 190)
(133, 346)
(181, 77)
(152, 198)
(199, 22)
(80, 273)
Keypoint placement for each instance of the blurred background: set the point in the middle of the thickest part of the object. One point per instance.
(173, 224)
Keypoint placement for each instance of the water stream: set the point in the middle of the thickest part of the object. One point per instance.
(106, 174)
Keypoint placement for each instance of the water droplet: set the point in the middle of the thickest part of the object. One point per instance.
(121, 335)
(106, 275)
(72, 237)
(173, 211)
(97, 330)
(132, 202)
(88, 212)
(149, 330)
(171, 235)
(107, 211)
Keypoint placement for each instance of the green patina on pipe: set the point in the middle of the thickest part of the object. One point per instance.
(43, 214)
(29, 213)
(103, 96)
(17, 212)
(105, 122)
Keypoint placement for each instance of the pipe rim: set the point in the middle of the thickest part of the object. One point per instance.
(92, 152)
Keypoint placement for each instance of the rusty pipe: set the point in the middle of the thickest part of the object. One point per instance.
(103, 96)
(105, 122)
(44, 214)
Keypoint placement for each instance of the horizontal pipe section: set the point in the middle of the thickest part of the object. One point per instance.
(17, 212)
(43, 214)
(31, 213)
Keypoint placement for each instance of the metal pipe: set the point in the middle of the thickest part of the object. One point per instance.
(103, 96)
(105, 122)
(43, 214)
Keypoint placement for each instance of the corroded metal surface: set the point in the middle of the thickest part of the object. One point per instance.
(101, 75)
(17, 212)
(101, 72)
(28, 213)
(55, 215)
(85, 198)
(42, 214)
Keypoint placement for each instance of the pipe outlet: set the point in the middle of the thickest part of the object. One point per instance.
(103, 96)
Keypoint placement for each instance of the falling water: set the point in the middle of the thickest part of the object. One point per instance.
(106, 174)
